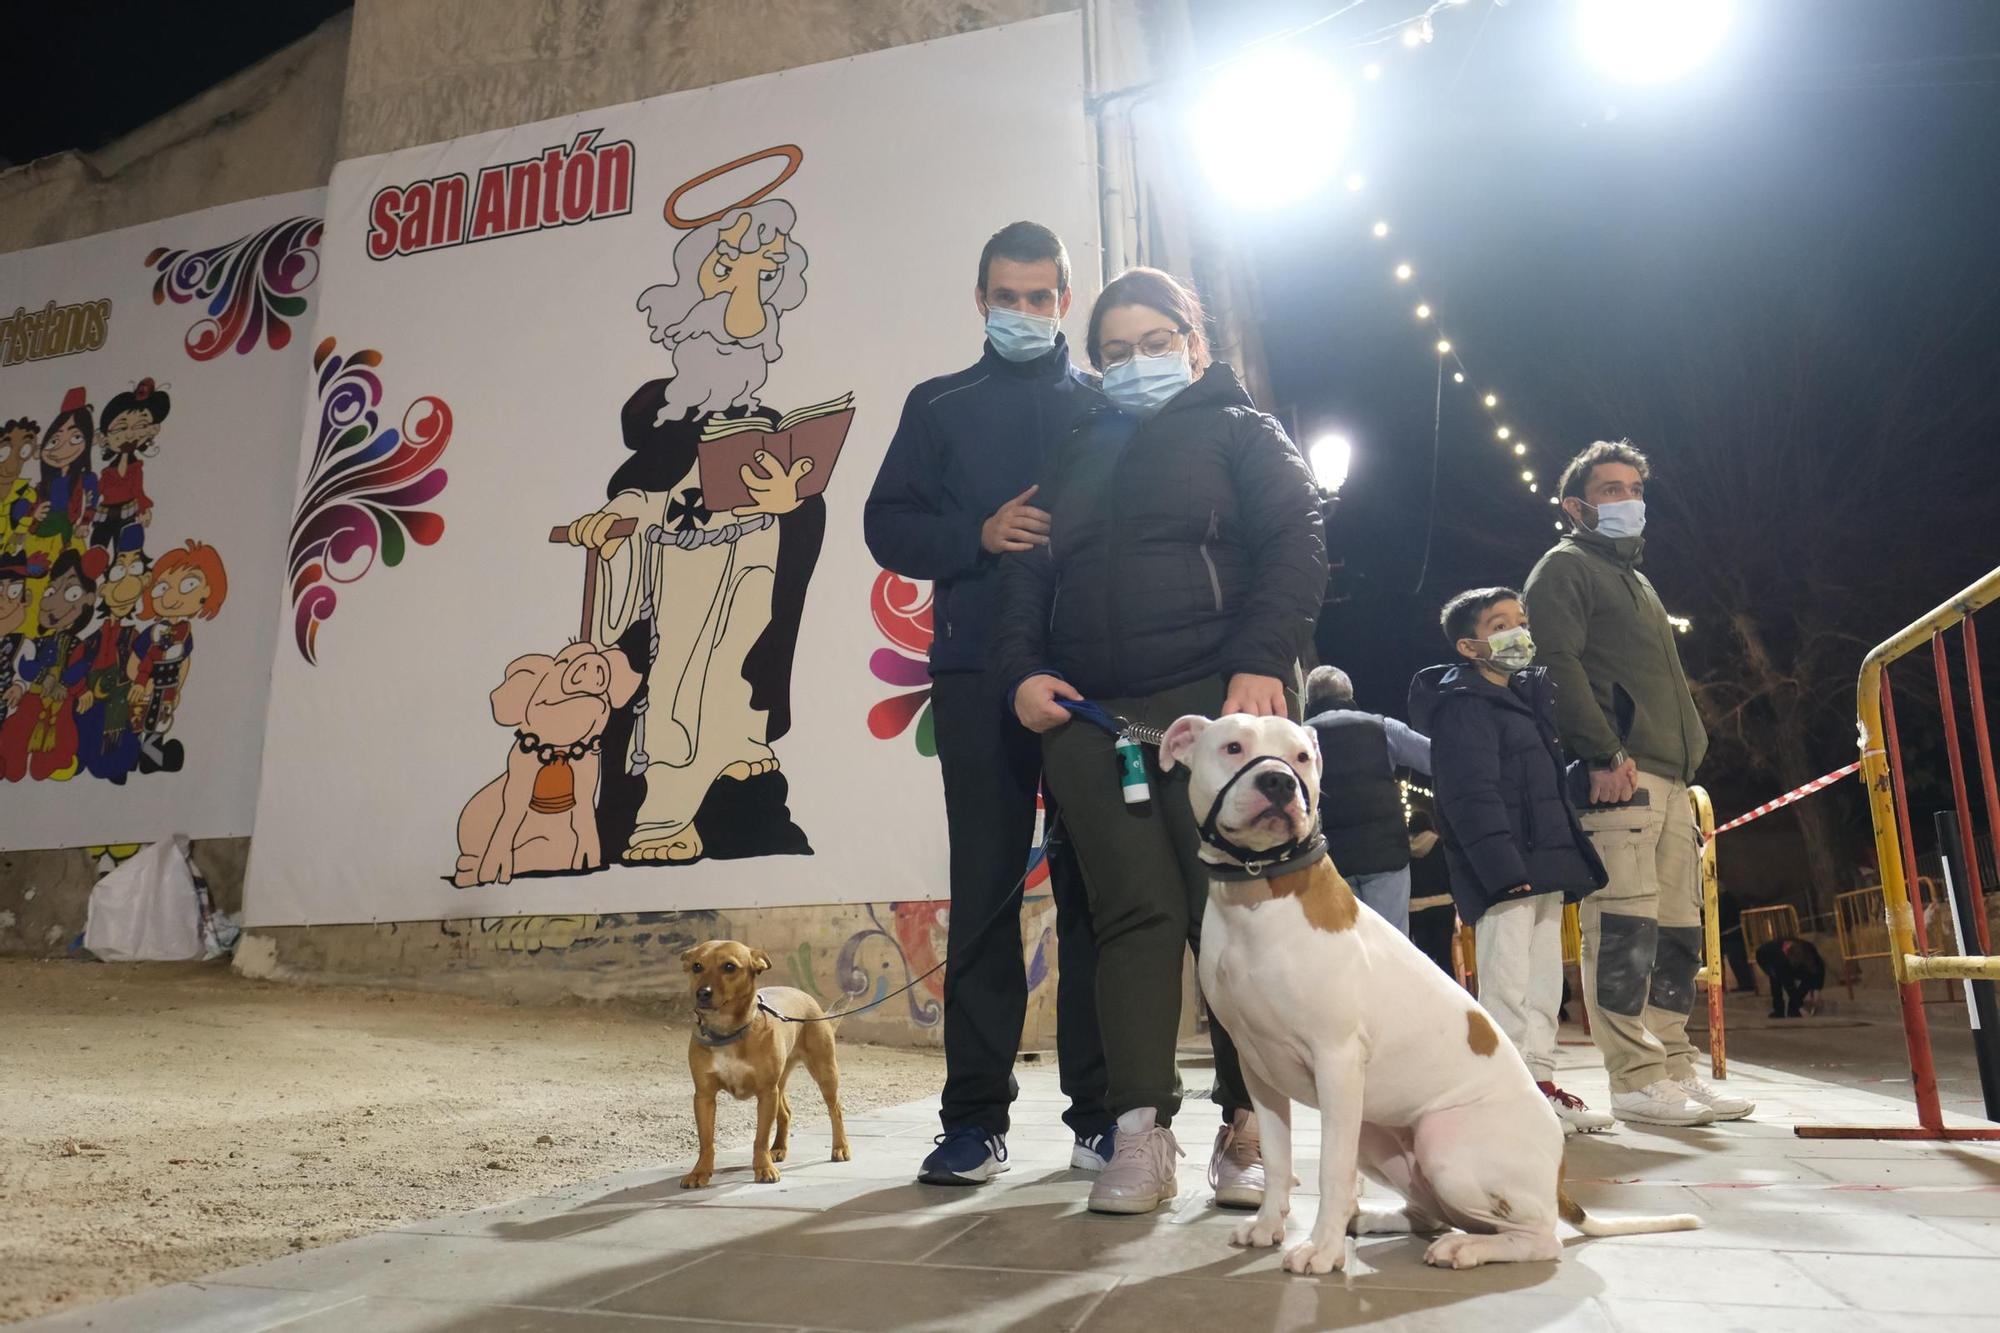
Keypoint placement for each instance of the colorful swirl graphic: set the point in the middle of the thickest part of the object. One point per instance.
(252, 286)
(362, 495)
(902, 611)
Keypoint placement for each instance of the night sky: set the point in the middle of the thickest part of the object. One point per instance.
(1778, 272)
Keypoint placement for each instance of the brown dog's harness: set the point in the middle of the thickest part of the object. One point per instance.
(711, 1039)
(555, 782)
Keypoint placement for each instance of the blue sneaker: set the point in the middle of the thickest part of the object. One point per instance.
(1093, 1151)
(967, 1155)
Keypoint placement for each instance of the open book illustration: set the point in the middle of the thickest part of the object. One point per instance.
(728, 444)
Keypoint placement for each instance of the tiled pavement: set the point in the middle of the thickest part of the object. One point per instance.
(1830, 1237)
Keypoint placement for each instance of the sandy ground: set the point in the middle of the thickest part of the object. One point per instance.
(165, 1121)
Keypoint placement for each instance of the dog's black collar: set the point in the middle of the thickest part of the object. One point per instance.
(1307, 854)
(1256, 862)
(713, 1039)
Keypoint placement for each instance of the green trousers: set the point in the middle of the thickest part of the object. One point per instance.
(1147, 891)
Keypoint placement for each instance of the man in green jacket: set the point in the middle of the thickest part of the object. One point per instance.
(1622, 704)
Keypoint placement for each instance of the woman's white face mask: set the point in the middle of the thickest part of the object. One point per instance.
(1145, 384)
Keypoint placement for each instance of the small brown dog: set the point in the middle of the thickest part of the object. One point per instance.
(744, 1045)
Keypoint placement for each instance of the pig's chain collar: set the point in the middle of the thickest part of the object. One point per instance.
(532, 744)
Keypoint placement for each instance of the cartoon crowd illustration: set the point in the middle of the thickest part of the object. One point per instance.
(96, 635)
(649, 740)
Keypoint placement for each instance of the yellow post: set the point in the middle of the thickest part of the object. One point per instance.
(1711, 971)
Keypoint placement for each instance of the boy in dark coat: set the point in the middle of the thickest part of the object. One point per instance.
(1515, 847)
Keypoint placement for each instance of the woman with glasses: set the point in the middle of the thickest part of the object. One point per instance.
(1182, 573)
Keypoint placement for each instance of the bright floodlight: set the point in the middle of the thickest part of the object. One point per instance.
(1330, 455)
(1444, 347)
(1520, 449)
(1458, 377)
(1272, 129)
(1504, 432)
(1493, 400)
(1652, 41)
(1403, 272)
(1380, 229)
(1423, 311)
(1355, 180)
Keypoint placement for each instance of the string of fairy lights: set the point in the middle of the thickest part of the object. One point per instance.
(1412, 35)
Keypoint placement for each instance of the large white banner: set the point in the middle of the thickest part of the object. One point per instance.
(149, 397)
(681, 330)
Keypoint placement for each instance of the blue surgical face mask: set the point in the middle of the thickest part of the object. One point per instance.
(1620, 518)
(1018, 336)
(1144, 384)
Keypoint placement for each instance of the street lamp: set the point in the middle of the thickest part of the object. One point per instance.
(1651, 41)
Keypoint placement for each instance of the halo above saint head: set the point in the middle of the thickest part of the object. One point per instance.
(792, 155)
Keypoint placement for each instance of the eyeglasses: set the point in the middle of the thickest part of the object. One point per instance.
(1157, 343)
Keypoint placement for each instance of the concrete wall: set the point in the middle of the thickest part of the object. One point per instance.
(271, 129)
(404, 72)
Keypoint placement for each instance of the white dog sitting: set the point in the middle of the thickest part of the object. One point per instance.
(1331, 1006)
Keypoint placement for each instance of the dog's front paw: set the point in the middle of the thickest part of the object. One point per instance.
(767, 1172)
(698, 1178)
(1259, 1233)
(1315, 1257)
(779, 1152)
(842, 1153)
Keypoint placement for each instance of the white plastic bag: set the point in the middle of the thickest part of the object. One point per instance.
(147, 910)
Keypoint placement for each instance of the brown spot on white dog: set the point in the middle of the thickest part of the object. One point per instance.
(1326, 899)
(1479, 1033)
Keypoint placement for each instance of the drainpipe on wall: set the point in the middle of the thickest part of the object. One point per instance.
(1143, 69)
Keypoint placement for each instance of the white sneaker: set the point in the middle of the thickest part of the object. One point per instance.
(1140, 1175)
(1662, 1102)
(1575, 1116)
(1721, 1103)
(1236, 1166)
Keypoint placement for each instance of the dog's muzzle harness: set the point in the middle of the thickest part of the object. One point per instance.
(1262, 863)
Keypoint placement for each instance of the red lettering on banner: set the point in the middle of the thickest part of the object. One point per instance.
(415, 232)
(382, 212)
(564, 185)
(489, 215)
(448, 213)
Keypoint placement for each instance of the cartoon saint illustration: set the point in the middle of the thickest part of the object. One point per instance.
(721, 498)
(187, 583)
(38, 739)
(17, 491)
(107, 746)
(128, 430)
(13, 622)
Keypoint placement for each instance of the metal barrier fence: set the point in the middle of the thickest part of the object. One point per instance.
(1895, 852)
(1861, 921)
(1465, 957)
(1761, 925)
(1711, 972)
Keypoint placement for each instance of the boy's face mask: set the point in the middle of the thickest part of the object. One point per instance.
(1511, 649)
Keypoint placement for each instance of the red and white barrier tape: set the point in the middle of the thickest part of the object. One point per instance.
(1795, 794)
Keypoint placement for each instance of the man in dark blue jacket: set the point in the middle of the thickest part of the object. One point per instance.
(1516, 848)
(954, 494)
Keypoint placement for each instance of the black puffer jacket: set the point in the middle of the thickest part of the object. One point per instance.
(1498, 775)
(1182, 546)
